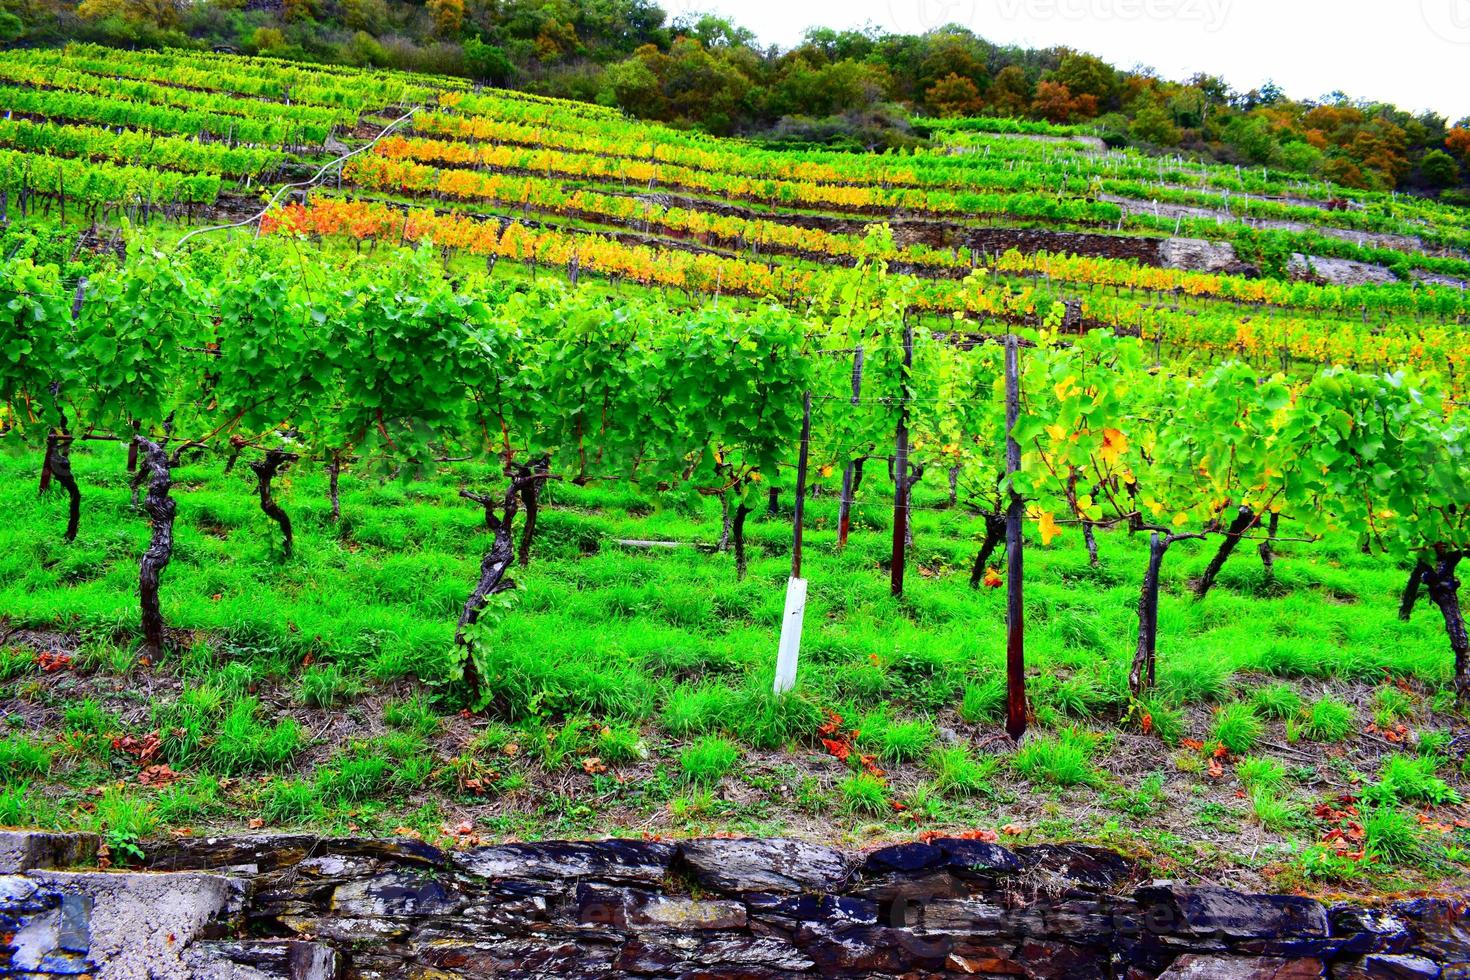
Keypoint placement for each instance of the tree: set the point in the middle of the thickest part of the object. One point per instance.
(634, 87)
(1301, 157)
(1440, 169)
(1085, 74)
(1153, 125)
(1056, 103)
(1250, 136)
(448, 16)
(1010, 93)
(954, 95)
(488, 62)
(1458, 143)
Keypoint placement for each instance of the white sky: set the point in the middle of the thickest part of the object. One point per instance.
(1415, 53)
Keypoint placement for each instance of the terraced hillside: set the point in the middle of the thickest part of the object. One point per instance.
(268, 326)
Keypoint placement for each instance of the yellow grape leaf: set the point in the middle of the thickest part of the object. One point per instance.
(993, 579)
(1056, 432)
(1115, 444)
(827, 470)
(1181, 519)
(1049, 529)
(1064, 388)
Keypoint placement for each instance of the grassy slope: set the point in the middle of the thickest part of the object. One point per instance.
(632, 683)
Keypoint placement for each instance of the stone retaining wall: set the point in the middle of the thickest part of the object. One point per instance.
(244, 908)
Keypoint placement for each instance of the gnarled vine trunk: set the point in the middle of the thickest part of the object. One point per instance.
(1089, 538)
(495, 562)
(265, 471)
(1245, 519)
(1411, 591)
(852, 479)
(724, 542)
(334, 472)
(995, 533)
(58, 465)
(738, 527)
(530, 499)
(1267, 550)
(1444, 591)
(156, 470)
(1141, 676)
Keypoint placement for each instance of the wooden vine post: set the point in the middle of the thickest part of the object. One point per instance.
(901, 468)
(1015, 511)
(852, 474)
(791, 621)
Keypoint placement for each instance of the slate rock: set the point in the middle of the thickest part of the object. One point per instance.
(909, 857)
(768, 865)
(1037, 959)
(286, 959)
(1218, 913)
(609, 860)
(624, 908)
(1079, 866)
(395, 894)
(978, 857)
(848, 950)
(1368, 930)
(1197, 966)
(1441, 929)
(1388, 966)
(813, 908)
(250, 853)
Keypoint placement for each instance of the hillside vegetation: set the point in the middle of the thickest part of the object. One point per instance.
(450, 485)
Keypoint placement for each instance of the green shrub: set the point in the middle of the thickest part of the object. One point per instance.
(958, 773)
(415, 715)
(1391, 705)
(1237, 728)
(325, 685)
(1064, 759)
(1409, 779)
(354, 777)
(90, 717)
(1278, 701)
(1153, 717)
(291, 801)
(620, 743)
(984, 701)
(707, 760)
(1272, 812)
(865, 793)
(1325, 720)
(20, 756)
(1390, 835)
(246, 744)
(1257, 774)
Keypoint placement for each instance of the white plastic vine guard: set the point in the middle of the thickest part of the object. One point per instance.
(790, 635)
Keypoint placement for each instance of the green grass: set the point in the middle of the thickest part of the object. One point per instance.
(1324, 720)
(1404, 779)
(1277, 701)
(708, 760)
(1237, 728)
(1258, 774)
(958, 773)
(865, 793)
(1064, 759)
(326, 685)
(632, 688)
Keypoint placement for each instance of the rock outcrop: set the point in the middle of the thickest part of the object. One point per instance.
(301, 908)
